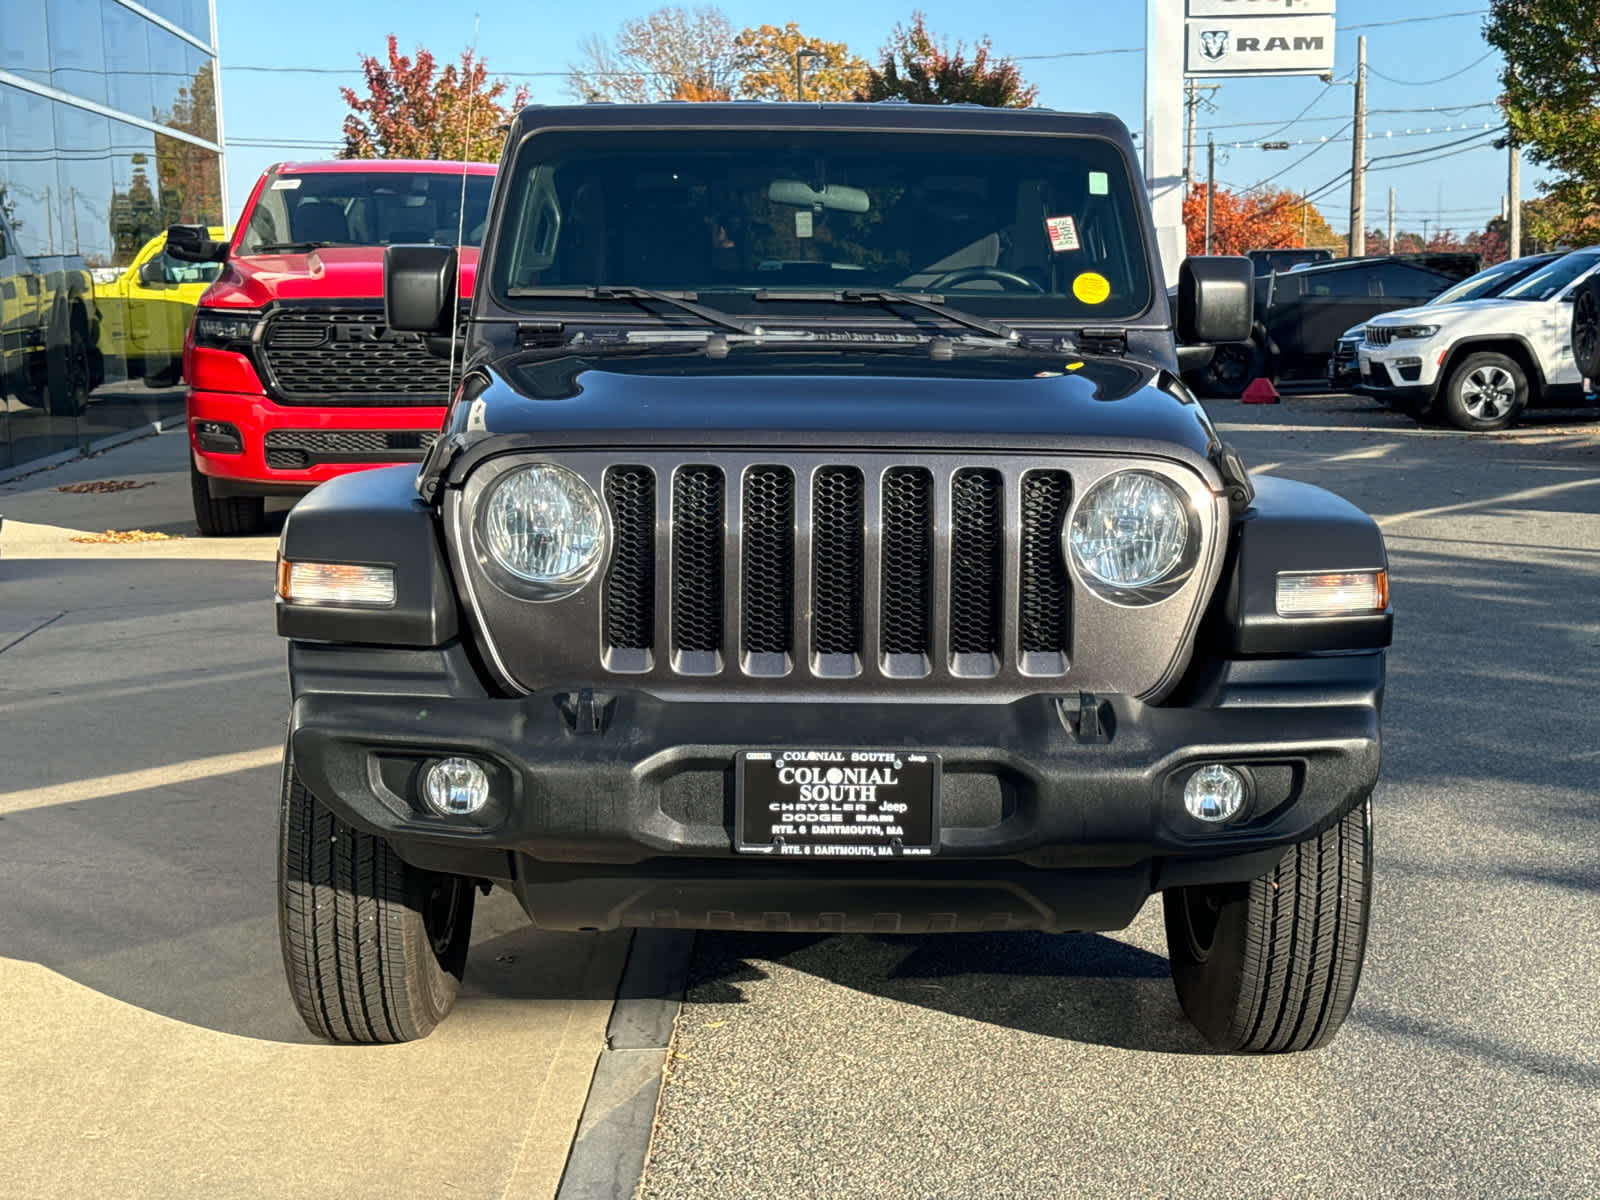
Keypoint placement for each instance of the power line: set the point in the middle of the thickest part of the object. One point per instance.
(1427, 82)
(1315, 149)
(1449, 109)
(1465, 12)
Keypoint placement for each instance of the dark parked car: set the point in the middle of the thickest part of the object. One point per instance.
(820, 540)
(1268, 261)
(1301, 313)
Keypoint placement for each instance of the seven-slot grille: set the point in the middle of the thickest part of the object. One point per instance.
(293, 449)
(824, 570)
(322, 354)
(1378, 335)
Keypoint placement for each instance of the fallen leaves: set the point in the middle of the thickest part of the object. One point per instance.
(118, 537)
(97, 486)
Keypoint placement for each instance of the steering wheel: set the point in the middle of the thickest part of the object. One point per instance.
(962, 275)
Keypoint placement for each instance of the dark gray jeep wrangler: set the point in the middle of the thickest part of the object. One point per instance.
(821, 538)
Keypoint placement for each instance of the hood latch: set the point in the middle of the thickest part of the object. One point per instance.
(1103, 341)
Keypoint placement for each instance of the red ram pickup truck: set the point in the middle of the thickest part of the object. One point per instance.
(293, 375)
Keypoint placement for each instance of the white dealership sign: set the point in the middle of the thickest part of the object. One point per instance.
(1279, 45)
(1260, 8)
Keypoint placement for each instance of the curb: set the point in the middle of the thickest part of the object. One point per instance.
(608, 1155)
(50, 461)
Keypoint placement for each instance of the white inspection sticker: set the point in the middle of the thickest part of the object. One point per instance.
(1063, 233)
(285, 185)
(802, 223)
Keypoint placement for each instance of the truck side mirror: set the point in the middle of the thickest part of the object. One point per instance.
(1216, 299)
(151, 274)
(419, 288)
(192, 243)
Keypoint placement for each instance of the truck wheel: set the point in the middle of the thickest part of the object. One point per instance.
(1233, 365)
(373, 948)
(1272, 965)
(1586, 329)
(1486, 391)
(233, 517)
(67, 387)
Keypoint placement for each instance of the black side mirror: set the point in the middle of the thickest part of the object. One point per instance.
(419, 288)
(151, 274)
(192, 243)
(1216, 299)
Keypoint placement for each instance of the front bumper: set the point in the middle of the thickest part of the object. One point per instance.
(247, 471)
(621, 813)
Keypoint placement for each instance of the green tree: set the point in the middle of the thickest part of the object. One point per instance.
(922, 68)
(413, 109)
(668, 54)
(767, 59)
(1552, 91)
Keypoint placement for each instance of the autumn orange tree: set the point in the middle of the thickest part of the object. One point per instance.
(924, 69)
(1265, 219)
(767, 57)
(415, 110)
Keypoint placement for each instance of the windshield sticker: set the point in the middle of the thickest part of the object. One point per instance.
(1063, 233)
(802, 223)
(285, 185)
(1099, 183)
(1091, 288)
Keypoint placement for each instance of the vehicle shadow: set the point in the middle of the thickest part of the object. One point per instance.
(1080, 987)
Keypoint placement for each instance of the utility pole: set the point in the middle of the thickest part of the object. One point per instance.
(1211, 186)
(1514, 187)
(1391, 220)
(1305, 220)
(1191, 101)
(1358, 157)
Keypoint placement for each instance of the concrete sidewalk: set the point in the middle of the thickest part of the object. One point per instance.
(150, 1047)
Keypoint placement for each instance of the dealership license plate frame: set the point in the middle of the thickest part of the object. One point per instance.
(761, 767)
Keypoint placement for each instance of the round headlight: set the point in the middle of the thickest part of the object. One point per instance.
(1132, 530)
(543, 525)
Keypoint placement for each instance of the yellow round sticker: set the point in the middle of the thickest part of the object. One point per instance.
(1091, 288)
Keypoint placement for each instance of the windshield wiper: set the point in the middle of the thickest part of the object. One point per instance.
(928, 301)
(291, 247)
(683, 301)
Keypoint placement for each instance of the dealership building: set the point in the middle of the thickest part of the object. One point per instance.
(110, 130)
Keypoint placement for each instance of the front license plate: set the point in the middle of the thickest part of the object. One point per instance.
(836, 803)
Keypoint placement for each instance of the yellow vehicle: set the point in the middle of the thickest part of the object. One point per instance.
(145, 310)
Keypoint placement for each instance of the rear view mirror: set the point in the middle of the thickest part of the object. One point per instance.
(803, 195)
(192, 243)
(419, 288)
(1216, 299)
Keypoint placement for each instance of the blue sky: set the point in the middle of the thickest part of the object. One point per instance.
(1437, 79)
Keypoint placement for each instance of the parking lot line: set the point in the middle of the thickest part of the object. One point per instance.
(138, 781)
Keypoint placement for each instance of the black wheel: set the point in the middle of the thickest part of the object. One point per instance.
(1586, 329)
(235, 516)
(1273, 964)
(67, 372)
(373, 948)
(1485, 391)
(1233, 365)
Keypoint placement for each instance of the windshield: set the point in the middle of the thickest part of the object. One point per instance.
(365, 208)
(1025, 227)
(1549, 281)
(1488, 283)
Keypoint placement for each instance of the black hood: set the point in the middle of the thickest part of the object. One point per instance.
(817, 399)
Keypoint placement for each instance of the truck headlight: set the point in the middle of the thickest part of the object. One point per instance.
(542, 525)
(220, 328)
(1400, 332)
(1132, 531)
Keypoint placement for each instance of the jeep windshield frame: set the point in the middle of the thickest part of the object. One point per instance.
(1005, 224)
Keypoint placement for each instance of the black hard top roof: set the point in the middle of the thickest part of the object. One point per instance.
(766, 114)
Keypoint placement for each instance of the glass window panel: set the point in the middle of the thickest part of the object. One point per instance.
(127, 43)
(77, 52)
(83, 173)
(24, 41)
(194, 16)
(189, 183)
(169, 71)
(135, 201)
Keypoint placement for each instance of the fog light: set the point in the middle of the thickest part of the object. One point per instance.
(456, 787)
(1214, 793)
(218, 437)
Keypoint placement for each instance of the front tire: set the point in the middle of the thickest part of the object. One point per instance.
(1233, 365)
(1485, 392)
(235, 516)
(373, 947)
(1272, 965)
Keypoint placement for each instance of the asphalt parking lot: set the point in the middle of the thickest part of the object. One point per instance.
(151, 1049)
(1024, 1065)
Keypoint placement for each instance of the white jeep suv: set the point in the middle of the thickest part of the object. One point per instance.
(1478, 364)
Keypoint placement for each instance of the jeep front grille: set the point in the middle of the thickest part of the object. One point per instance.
(828, 561)
(345, 355)
(1378, 335)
